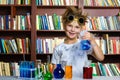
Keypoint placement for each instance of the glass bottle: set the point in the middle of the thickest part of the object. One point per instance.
(68, 70)
(39, 73)
(47, 74)
(84, 44)
(87, 70)
(58, 72)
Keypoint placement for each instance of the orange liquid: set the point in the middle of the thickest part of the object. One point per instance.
(68, 72)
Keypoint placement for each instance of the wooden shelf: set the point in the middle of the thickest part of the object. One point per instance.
(109, 58)
(23, 5)
(110, 32)
(51, 33)
(17, 33)
(62, 33)
(105, 31)
(43, 57)
(5, 10)
(101, 7)
(54, 7)
(14, 57)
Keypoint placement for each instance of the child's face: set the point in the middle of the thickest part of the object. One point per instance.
(72, 30)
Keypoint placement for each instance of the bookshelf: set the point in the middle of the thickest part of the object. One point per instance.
(101, 10)
(33, 33)
(9, 31)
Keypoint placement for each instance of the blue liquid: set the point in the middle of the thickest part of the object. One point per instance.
(58, 72)
(25, 67)
(85, 45)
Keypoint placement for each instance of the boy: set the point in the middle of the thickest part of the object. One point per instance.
(69, 51)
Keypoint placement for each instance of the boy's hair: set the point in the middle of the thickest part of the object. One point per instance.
(71, 13)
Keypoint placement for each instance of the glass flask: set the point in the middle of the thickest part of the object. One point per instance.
(58, 72)
(48, 76)
(84, 44)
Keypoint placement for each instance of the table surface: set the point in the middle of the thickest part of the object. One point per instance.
(94, 78)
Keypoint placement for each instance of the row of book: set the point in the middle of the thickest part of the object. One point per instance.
(109, 45)
(56, 2)
(17, 45)
(9, 69)
(20, 22)
(11, 2)
(49, 22)
(101, 2)
(54, 22)
(103, 23)
(106, 69)
(47, 45)
(16, 69)
(25, 69)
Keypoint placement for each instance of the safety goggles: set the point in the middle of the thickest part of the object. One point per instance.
(81, 20)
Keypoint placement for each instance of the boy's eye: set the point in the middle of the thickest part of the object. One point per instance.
(77, 27)
(70, 25)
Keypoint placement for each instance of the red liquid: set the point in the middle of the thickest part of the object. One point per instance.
(87, 72)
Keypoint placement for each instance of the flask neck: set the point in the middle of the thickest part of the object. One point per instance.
(58, 65)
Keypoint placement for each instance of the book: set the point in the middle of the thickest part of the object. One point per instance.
(28, 21)
(116, 73)
(97, 69)
(55, 21)
(1, 69)
(3, 46)
(106, 37)
(50, 18)
(102, 69)
(107, 69)
(108, 65)
(8, 46)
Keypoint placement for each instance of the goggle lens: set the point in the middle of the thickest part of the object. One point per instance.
(80, 20)
(70, 18)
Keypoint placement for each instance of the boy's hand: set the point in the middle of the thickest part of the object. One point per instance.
(88, 36)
